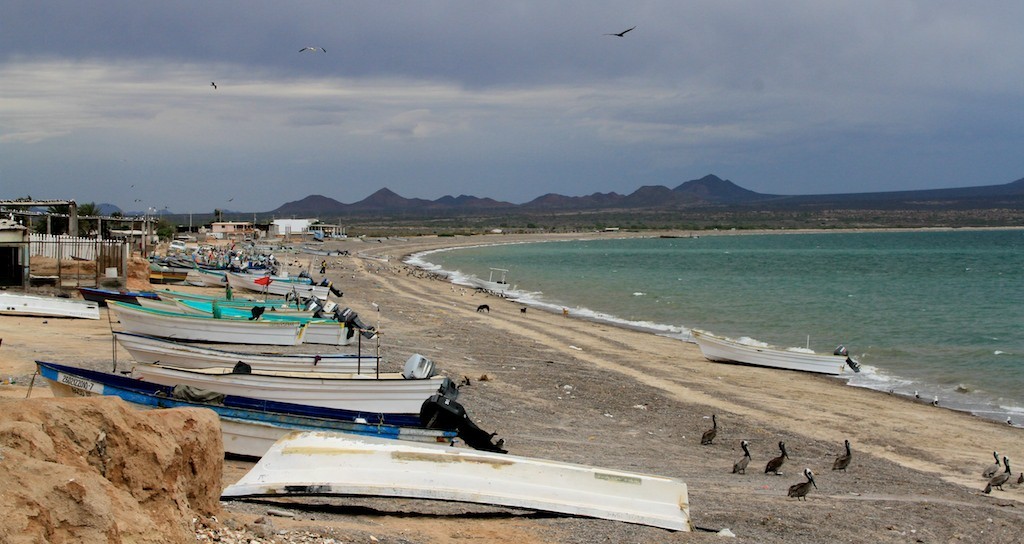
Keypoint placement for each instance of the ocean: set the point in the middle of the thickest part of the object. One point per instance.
(936, 313)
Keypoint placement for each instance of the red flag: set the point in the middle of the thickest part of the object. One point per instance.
(263, 280)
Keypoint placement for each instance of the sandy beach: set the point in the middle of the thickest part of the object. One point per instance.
(585, 392)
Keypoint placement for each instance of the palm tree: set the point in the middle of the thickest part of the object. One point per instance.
(86, 210)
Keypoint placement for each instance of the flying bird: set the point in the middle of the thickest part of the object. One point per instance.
(213, 84)
(620, 34)
(313, 49)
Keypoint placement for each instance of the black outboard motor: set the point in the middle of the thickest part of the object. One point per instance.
(256, 312)
(351, 320)
(241, 368)
(441, 412)
(842, 351)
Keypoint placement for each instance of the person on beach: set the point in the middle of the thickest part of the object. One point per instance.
(323, 267)
(227, 292)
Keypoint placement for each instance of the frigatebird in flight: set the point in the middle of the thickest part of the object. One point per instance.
(621, 34)
(312, 49)
(214, 85)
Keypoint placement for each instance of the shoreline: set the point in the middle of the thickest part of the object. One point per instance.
(582, 391)
(983, 408)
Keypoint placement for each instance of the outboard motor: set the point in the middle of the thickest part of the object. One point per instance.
(241, 368)
(418, 367)
(351, 319)
(303, 274)
(441, 412)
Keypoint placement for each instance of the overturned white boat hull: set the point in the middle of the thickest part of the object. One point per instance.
(319, 463)
(717, 348)
(15, 304)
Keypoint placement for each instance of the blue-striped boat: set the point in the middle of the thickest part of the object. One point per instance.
(249, 426)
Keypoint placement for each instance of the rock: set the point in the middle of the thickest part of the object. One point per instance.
(153, 471)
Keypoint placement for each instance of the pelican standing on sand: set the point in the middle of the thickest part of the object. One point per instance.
(801, 489)
(740, 467)
(843, 460)
(992, 469)
(709, 435)
(775, 463)
(998, 480)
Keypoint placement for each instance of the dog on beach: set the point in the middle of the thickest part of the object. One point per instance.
(483, 308)
(522, 310)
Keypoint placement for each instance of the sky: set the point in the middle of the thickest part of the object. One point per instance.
(112, 102)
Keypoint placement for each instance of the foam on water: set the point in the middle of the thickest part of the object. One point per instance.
(877, 372)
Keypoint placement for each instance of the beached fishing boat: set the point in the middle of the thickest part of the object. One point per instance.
(168, 294)
(151, 349)
(326, 331)
(230, 308)
(266, 284)
(101, 296)
(249, 426)
(387, 393)
(496, 282)
(29, 305)
(718, 348)
(318, 464)
(202, 277)
(178, 326)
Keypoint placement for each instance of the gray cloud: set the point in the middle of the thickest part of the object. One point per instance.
(508, 100)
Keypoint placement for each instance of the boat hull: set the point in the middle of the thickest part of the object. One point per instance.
(28, 305)
(716, 348)
(139, 320)
(388, 394)
(318, 463)
(101, 296)
(281, 288)
(151, 349)
(246, 431)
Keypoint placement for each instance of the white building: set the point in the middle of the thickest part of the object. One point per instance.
(286, 227)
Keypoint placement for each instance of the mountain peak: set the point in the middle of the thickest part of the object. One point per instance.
(712, 188)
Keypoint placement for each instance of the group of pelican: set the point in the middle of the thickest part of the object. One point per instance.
(798, 490)
(997, 478)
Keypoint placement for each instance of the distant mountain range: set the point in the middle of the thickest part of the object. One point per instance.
(707, 192)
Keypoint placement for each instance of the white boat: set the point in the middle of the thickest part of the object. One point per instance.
(231, 309)
(496, 281)
(202, 277)
(281, 288)
(718, 348)
(29, 305)
(323, 463)
(150, 349)
(234, 302)
(390, 393)
(249, 427)
(177, 326)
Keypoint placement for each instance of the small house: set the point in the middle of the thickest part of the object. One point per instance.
(14, 254)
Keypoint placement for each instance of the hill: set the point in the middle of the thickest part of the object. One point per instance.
(708, 192)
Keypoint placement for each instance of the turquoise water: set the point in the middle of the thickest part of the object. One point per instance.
(938, 312)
